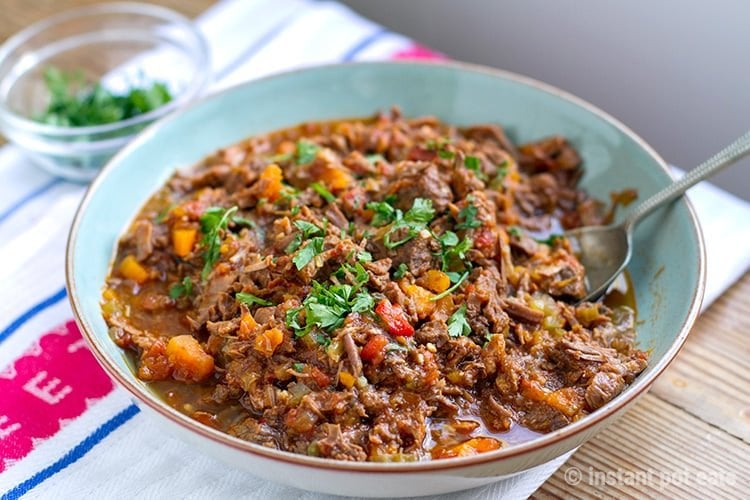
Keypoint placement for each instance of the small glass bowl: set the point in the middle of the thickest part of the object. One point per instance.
(119, 45)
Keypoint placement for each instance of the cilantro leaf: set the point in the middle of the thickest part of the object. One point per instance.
(414, 221)
(453, 251)
(306, 152)
(457, 324)
(468, 218)
(182, 289)
(326, 307)
(323, 192)
(515, 231)
(249, 299)
(384, 212)
(308, 252)
(550, 240)
(308, 228)
(364, 256)
(400, 271)
(213, 221)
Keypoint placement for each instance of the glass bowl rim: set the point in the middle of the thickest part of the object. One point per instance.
(199, 80)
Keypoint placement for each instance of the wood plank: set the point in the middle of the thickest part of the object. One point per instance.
(658, 450)
(711, 376)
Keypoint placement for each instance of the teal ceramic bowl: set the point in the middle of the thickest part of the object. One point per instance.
(667, 267)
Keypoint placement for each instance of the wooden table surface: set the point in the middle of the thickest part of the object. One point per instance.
(689, 436)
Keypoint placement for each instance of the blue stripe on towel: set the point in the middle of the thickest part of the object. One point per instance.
(29, 197)
(363, 44)
(33, 311)
(75, 454)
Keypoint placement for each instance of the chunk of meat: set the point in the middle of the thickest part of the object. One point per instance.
(143, 235)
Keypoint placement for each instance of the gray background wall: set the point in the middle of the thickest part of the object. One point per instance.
(676, 71)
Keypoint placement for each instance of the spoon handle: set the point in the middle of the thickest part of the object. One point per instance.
(727, 156)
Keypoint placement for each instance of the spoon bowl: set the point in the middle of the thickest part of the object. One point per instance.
(604, 251)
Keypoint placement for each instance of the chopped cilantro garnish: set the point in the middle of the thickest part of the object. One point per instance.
(515, 231)
(213, 221)
(457, 324)
(249, 299)
(298, 367)
(452, 250)
(308, 252)
(280, 158)
(372, 159)
(445, 154)
(364, 256)
(326, 307)
(384, 212)
(414, 221)
(468, 218)
(550, 240)
(323, 192)
(294, 210)
(182, 289)
(74, 104)
(472, 163)
(242, 221)
(400, 271)
(306, 152)
(308, 228)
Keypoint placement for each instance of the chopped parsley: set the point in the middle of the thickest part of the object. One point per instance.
(213, 221)
(307, 253)
(306, 152)
(373, 159)
(453, 251)
(515, 231)
(182, 289)
(457, 324)
(385, 213)
(307, 229)
(364, 256)
(414, 221)
(474, 164)
(323, 192)
(400, 271)
(242, 221)
(249, 299)
(551, 240)
(326, 307)
(468, 217)
(73, 103)
(298, 367)
(445, 154)
(280, 158)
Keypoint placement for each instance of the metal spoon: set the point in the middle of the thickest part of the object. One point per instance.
(605, 250)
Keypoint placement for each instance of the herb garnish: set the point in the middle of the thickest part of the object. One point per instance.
(452, 250)
(414, 221)
(551, 240)
(213, 221)
(323, 192)
(308, 252)
(307, 229)
(400, 271)
(515, 231)
(249, 299)
(385, 213)
(460, 280)
(182, 289)
(306, 152)
(373, 159)
(468, 217)
(326, 307)
(73, 104)
(457, 324)
(474, 164)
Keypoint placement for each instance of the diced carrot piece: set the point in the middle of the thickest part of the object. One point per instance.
(267, 342)
(347, 379)
(320, 378)
(131, 269)
(189, 359)
(468, 448)
(566, 400)
(421, 298)
(183, 240)
(247, 325)
(335, 178)
(530, 389)
(436, 281)
(270, 180)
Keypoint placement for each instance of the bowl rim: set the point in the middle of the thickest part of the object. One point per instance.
(200, 53)
(636, 389)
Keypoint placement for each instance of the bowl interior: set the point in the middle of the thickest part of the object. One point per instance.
(668, 283)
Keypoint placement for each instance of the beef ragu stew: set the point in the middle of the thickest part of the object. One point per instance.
(387, 289)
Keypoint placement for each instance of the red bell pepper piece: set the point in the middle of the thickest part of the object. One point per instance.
(394, 319)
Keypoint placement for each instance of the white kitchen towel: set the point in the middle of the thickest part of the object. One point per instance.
(65, 429)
